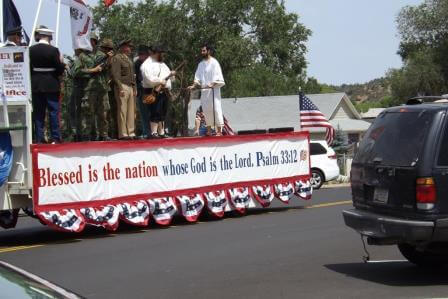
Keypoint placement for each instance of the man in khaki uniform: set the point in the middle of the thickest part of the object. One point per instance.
(122, 72)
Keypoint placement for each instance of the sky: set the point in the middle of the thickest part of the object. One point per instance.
(353, 41)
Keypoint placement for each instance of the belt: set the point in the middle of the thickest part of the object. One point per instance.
(44, 69)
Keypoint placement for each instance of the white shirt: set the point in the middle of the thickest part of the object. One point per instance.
(208, 72)
(43, 41)
(153, 73)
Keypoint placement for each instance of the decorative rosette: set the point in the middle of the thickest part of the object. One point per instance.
(263, 194)
(216, 203)
(136, 213)
(304, 190)
(284, 192)
(162, 210)
(107, 217)
(191, 206)
(69, 220)
(239, 199)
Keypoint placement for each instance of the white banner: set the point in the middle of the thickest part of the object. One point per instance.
(79, 173)
(81, 23)
(15, 74)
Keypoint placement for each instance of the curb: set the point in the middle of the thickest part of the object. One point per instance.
(335, 186)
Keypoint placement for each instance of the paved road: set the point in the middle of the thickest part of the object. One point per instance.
(301, 252)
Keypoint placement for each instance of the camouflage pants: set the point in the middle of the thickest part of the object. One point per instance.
(79, 102)
(99, 108)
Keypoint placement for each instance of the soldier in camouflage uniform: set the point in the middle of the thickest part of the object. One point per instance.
(98, 91)
(82, 71)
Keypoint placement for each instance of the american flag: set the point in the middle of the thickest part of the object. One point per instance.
(311, 117)
(227, 129)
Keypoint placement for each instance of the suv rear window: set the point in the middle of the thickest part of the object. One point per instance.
(395, 138)
(317, 149)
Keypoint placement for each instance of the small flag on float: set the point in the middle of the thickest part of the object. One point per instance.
(108, 3)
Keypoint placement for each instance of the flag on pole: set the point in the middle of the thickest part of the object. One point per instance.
(108, 3)
(311, 117)
(81, 23)
(11, 18)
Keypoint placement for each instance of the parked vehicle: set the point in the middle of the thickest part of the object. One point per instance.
(324, 163)
(399, 182)
(17, 283)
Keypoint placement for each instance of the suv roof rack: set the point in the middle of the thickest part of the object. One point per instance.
(427, 99)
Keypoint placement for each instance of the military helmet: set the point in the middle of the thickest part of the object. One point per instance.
(107, 43)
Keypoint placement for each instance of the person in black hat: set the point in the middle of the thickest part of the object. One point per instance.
(156, 79)
(46, 69)
(123, 76)
(14, 37)
(143, 55)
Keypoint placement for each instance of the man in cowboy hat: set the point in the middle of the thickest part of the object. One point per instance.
(14, 37)
(98, 90)
(46, 70)
(122, 71)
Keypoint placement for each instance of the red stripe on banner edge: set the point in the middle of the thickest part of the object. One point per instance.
(132, 198)
(174, 142)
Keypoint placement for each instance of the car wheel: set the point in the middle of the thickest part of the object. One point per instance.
(317, 179)
(423, 258)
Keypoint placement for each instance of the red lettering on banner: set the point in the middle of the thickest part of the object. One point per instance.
(5, 56)
(47, 178)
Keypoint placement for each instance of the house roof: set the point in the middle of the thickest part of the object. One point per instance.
(373, 112)
(273, 111)
(350, 125)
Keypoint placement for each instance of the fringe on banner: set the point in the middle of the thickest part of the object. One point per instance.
(69, 220)
(162, 210)
(304, 190)
(191, 206)
(107, 217)
(263, 194)
(216, 203)
(239, 199)
(284, 192)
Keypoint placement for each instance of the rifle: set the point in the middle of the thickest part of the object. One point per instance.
(152, 97)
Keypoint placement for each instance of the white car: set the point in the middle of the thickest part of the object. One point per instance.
(324, 163)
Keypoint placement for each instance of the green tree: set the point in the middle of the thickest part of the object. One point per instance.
(340, 142)
(261, 47)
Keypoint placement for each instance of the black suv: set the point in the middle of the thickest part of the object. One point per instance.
(399, 182)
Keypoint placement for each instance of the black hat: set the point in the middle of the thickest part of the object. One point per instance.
(14, 31)
(125, 42)
(158, 49)
(142, 49)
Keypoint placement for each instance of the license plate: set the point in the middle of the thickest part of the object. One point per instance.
(381, 195)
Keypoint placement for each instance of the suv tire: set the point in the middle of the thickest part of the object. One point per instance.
(423, 258)
(317, 179)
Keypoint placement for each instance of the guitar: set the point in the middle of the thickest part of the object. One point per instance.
(152, 97)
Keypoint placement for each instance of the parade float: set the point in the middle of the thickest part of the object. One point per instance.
(70, 185)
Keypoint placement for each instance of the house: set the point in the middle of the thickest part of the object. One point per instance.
(371, 114)
(283, 111)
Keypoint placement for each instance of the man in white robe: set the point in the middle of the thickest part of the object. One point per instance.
(209, 78)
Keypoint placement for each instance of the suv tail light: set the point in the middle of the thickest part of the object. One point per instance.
(334, 157)
(426, 193)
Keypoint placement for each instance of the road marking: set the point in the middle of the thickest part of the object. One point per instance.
(330, 204)
(17, 248)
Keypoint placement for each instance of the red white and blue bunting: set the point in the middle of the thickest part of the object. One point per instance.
(239, 199)
(162, 210)
(191, 206)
